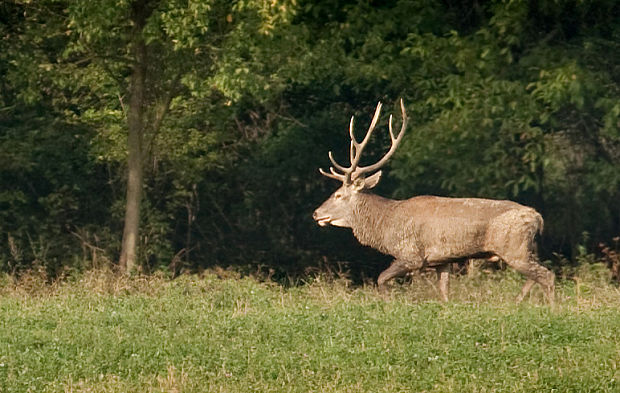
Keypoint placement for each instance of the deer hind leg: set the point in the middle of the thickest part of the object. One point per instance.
(535, 273)
(548, 284)
(511, 236)
(525, 290)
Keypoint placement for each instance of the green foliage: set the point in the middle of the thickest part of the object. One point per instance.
(84, 49)
(50, 189)
(506, 99)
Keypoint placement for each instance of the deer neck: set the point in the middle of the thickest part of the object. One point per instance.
(371, 220)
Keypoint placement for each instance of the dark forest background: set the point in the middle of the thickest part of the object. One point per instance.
(235, 104)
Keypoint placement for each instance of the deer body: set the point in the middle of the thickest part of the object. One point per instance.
(430, 231)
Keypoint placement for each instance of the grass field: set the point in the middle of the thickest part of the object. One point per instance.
(102, 333)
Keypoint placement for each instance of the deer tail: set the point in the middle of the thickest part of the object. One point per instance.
(540, 222)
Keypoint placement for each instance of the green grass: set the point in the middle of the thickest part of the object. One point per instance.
(102, 333)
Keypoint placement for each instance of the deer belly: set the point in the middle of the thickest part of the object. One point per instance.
(438, 256)
(451, 246)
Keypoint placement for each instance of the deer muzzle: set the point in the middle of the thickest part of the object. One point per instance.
(322, 220)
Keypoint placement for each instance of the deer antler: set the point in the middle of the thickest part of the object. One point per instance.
(357, 148)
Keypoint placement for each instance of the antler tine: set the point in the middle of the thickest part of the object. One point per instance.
(395, 141)
(351, 133)
(333, 171)
(359, 147)
(353, 141)
(356, 148)
(403, 126)
(375, 118)
(333, 174)
(338, 166)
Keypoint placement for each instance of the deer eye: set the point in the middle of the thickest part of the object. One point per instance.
(338, 196)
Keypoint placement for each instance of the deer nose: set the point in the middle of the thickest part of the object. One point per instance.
(314, 215)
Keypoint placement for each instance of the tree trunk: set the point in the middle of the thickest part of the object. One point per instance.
(135, 123)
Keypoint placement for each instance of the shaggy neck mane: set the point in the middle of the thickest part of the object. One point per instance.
(370, 216)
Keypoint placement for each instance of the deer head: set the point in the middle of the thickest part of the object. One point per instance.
(338, 209)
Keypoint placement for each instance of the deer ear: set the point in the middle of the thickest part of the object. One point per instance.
(359, 184)
(362, 183)
(372, 181)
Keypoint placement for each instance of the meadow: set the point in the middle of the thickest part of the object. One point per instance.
(99, 332)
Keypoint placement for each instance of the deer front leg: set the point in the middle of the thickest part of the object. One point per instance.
(397, 268)
(443, 275)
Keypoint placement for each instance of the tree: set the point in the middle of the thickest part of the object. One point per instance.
(133, 69)
(216, 107)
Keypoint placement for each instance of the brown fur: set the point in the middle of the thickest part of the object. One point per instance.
(429, 230)
(435, 231)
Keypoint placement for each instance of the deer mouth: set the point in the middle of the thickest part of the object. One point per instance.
(323, 221)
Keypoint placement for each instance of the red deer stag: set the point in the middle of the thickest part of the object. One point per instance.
(430, 231)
